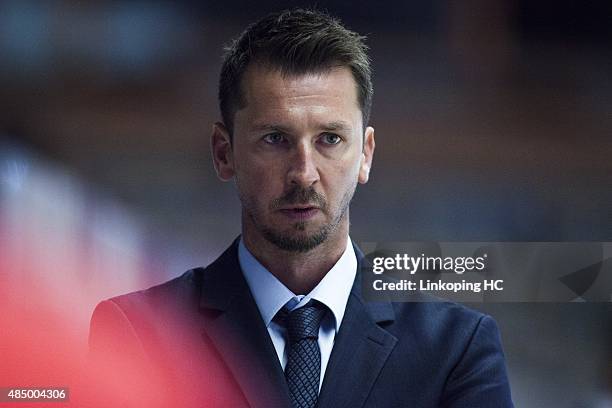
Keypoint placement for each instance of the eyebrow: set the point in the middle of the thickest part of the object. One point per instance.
(270, 127)
(337, 125)
(329, 127)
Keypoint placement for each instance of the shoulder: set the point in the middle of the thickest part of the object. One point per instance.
(158, 297)
(438, 313)
(162, 295)
(435, 326)
(167, 305)
(183, 290)
(457, 345)
(128, 316)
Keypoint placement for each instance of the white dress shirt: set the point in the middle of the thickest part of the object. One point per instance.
(271, 295)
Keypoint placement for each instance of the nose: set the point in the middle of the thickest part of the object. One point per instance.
(303, 169)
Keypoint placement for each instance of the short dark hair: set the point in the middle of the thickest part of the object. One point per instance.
(295, 42)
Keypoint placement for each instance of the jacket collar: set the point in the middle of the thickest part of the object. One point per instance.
(223, 282)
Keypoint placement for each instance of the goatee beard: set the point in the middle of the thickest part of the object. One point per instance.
(289, 242)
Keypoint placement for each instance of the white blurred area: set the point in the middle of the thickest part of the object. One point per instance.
(64, 244)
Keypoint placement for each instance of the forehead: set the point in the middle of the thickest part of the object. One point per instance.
(268, 90)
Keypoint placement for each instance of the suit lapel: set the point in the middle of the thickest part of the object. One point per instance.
(360, 350)
(236, 329)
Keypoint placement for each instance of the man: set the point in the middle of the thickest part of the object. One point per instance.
(279, 320)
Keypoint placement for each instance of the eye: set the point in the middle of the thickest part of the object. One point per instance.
(274, 138)
(330, 138)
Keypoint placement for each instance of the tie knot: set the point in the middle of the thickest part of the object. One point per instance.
(304, 322)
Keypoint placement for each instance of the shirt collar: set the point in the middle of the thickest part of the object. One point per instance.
(271, 295)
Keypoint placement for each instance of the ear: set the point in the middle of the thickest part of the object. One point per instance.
(367, 155)
(222, 153)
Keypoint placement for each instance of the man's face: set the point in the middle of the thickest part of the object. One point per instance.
(298, 153)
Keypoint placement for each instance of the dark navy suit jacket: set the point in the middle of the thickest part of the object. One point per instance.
(200, 340)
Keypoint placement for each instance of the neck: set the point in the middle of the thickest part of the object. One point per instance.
(298, 271)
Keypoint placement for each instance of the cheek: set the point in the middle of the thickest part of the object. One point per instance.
(249, 166)
(342, 176)
(350, 167)
(259, 178)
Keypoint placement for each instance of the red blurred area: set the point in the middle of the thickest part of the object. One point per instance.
(63, 248)
(42, 341)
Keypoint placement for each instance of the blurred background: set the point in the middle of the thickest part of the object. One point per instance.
(493, 121)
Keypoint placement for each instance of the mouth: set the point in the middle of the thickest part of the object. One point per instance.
(300, 212)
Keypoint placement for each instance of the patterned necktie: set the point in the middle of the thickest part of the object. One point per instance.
(303, 369)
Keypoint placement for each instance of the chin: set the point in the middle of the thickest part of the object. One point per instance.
(296, 242)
